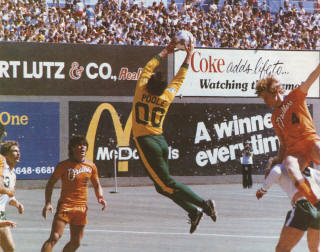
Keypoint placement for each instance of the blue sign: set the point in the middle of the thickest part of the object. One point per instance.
(35, 125)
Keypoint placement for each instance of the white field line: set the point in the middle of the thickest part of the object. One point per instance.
(156, 233)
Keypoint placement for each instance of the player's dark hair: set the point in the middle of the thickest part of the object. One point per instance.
(74, 141)
(156, 85)
(6, 147)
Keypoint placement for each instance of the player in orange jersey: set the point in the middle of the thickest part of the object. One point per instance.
(293, 124)
(75, 174)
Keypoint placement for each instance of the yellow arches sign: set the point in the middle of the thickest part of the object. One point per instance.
(122, 135)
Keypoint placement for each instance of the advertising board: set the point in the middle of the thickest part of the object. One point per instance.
(203, 138)
(71, 69)
(234, 73)
(35, 125)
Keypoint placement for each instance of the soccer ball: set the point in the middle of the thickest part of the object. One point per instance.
(183, 37)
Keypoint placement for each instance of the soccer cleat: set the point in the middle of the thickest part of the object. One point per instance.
(210, 210)
(194, 220)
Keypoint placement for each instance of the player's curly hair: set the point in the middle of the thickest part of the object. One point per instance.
(74, 141)
(156, 85)
(6, 147)
(269, 84)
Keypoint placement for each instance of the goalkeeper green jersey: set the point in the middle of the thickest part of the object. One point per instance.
(148, 110)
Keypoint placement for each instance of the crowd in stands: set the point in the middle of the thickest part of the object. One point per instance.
(235, 24)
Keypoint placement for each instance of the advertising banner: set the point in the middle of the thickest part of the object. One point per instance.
(35, 125)
(204, 139)
(72, 69)
(230, 73)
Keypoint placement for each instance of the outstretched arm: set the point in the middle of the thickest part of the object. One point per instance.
(180, 76)
(14, 202)
(48, 193)
(272, 177)
(189, 47)
(168, 50)
(98, 191)
(304, 87)
(155, 61)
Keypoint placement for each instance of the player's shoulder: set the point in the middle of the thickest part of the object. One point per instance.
(296, 93)
(64, 163)
(89, 163)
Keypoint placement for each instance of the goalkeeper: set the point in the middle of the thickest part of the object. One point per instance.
(150, 106)
(303, 216)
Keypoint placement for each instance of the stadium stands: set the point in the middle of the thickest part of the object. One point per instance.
(289, 25)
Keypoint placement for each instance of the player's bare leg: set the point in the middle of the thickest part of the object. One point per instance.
(313, 238)
(7, 243)
(76, 234)
(289, 237)
(56, 233)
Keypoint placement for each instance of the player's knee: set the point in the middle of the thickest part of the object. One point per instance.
(313, 246)
(314, 249)
(172, 184)
(9, 248)
(75, 244)
(54, 238)
(281, 248)
(165, 191)
(160, 190)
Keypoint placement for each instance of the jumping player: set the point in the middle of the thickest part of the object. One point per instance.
(299, 142)
(75, 174)
(9, 157)
(303, 216)
(150, 106)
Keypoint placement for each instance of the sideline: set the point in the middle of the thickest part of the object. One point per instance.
(158, 233)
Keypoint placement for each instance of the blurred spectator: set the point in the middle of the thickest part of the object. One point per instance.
(237, 24)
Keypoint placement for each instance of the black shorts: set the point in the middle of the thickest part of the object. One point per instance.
(303, 215)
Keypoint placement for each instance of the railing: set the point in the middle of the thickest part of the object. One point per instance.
(273, 5)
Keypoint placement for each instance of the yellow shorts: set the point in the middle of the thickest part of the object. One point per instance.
(74, 215)
(303, 148)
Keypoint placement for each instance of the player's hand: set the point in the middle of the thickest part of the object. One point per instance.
(171, 46)
(11, 192)
(46, 208)
(189, 46)
(102, 202)
(6, 223)
(20, 208)
(260, 192)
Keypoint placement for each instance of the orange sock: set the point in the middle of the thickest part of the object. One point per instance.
(305, 188)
